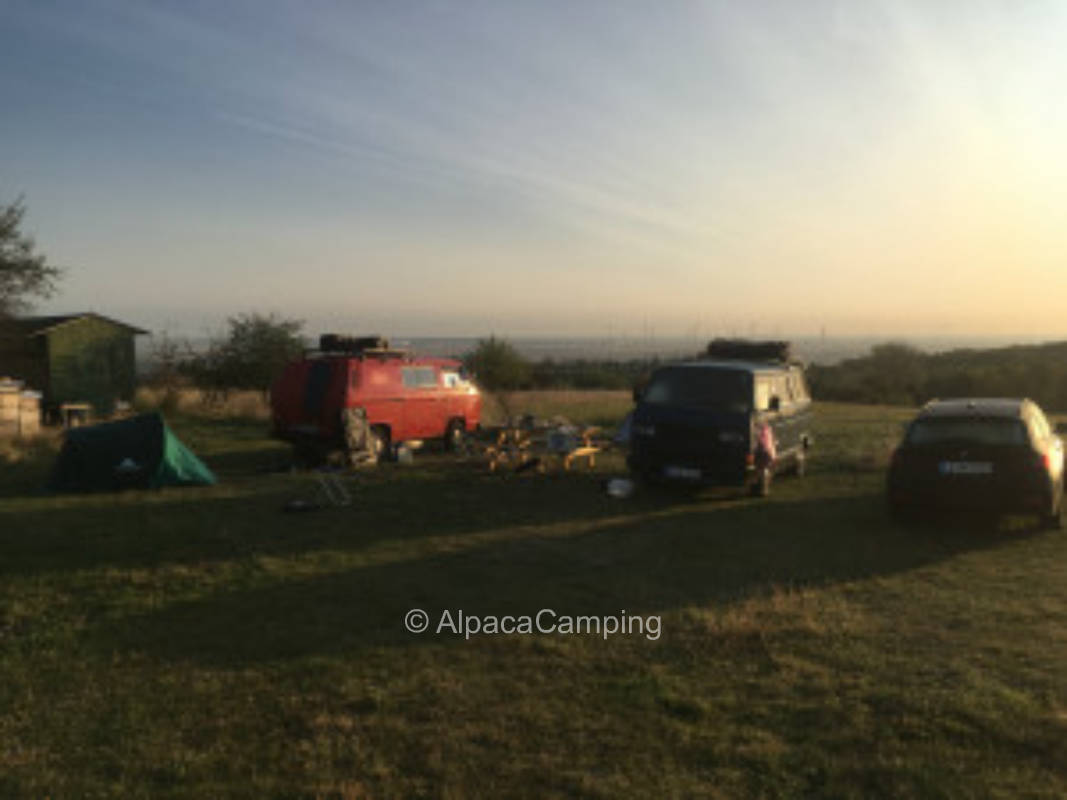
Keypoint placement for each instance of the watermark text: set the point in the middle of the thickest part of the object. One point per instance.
(545, 622)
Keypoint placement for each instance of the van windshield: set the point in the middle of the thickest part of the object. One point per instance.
(718, 389)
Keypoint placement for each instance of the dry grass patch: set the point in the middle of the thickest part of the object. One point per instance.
(42, 445)
(584, 407)
(233, 403)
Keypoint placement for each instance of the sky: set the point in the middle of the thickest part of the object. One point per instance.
(546, 168)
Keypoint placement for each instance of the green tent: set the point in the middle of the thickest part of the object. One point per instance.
(140, 452)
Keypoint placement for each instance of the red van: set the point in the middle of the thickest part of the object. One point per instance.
(402, 396)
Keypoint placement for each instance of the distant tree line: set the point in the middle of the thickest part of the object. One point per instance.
(890, 374)
(257, 346)
(898, 374)
(497, 366)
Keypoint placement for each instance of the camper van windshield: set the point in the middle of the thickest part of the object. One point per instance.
(719, 389)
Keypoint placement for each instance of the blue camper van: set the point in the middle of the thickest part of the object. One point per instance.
(723, 422)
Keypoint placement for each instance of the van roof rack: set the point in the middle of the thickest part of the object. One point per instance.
(374, 345)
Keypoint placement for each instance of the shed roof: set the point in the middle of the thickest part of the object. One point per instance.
(36, 326)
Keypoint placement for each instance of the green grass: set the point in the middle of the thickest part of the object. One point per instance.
(201, 643)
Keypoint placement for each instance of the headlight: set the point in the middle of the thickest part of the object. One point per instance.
(644, 430)
(731, 437)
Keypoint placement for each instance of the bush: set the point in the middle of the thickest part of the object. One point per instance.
(898, 374)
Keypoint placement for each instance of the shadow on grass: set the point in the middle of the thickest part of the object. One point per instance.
(242, 519)
(692, 556)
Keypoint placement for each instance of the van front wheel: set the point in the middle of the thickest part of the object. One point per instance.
(454, 434)
(1053, 520)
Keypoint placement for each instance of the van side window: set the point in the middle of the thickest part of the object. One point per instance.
(780, 387)
(763, 394)
(419, 377)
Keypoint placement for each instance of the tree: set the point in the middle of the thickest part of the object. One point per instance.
(254, 351)
(499, 369)
(24, 273)
(497, 365)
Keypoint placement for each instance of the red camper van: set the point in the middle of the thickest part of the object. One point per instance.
(402, 396)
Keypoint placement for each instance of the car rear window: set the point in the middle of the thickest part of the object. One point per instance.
(719, 389)
(968, 430)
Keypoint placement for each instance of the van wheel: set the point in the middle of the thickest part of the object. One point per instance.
(1053, 521)
(380, 442)
(454, 435)
(761, 487)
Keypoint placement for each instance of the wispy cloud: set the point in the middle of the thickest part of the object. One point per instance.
(699, 141)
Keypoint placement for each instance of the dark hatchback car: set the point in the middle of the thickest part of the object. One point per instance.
(989, 456)
(721, 422)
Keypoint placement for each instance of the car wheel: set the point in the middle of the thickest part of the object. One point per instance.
(454, 435)
(761, 486)
(380, 442)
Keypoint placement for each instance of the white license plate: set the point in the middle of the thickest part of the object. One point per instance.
(966, 468)
(687, 473)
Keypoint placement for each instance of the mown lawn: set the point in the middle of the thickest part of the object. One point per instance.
(202, 643)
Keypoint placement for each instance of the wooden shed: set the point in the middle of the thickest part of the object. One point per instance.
(72, 358)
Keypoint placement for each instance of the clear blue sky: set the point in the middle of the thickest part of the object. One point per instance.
(547, 167)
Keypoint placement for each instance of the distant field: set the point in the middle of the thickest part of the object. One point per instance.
(201, 643)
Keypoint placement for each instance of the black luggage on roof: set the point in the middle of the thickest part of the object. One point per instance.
(338, 343)
(748, 350)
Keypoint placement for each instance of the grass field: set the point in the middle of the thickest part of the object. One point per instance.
(201, 643)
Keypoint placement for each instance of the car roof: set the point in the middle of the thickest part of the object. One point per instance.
(976, 407)
(740, 366)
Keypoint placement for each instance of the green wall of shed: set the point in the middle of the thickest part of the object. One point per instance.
(90, 360)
